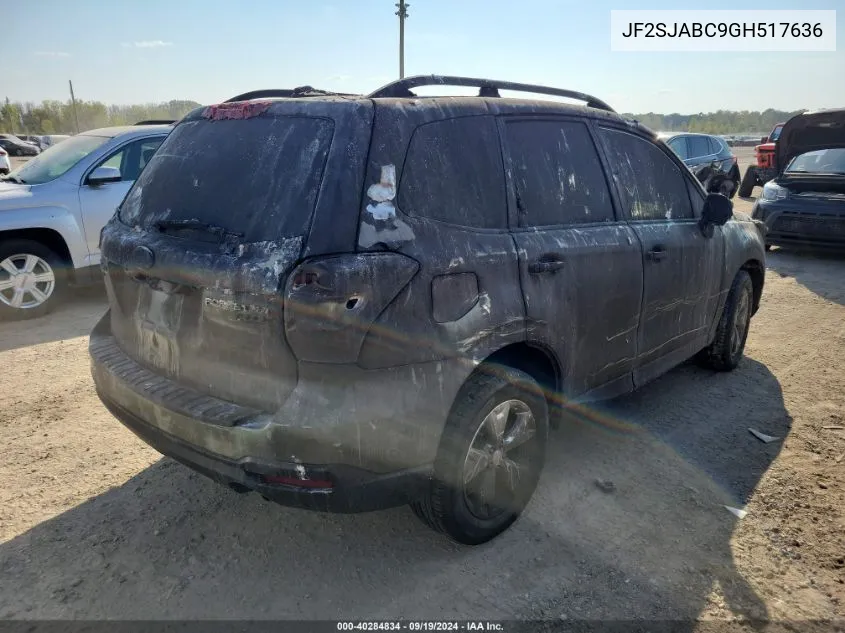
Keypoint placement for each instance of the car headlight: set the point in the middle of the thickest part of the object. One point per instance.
(773, 191)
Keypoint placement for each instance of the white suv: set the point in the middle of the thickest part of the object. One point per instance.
(53, 208)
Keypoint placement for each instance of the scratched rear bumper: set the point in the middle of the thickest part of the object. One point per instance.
(373, 430)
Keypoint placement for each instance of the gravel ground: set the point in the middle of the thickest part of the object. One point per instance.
(95, 524)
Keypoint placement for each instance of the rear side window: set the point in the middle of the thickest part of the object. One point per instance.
(699, 146)
(715, 145)
(650, 183)
(258, 177)
(557, 174)
(453, 173)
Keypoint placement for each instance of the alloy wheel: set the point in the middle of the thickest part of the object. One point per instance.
(26, 281)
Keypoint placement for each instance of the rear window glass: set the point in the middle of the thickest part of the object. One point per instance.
(454, 173)
(258, 177)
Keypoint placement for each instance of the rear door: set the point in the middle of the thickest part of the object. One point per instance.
(681, 266)
(98, 203)
(580, 267)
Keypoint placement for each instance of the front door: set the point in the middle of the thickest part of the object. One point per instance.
(681, 266)
(580, 267)
(98, 203)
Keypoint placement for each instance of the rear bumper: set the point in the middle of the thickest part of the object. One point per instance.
(353, 489)
(372, 434)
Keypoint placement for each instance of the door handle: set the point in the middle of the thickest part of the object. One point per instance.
(657, 254)
(544, 265)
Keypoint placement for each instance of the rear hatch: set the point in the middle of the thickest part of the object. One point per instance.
(197, 255)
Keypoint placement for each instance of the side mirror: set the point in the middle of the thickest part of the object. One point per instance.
(102, 175)
(717, 211)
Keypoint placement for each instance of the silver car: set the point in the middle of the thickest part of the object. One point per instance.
(52, 210)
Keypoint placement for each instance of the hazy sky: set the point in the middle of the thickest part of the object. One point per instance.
(129, 51)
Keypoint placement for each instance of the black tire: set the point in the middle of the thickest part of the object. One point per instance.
(725, 352)
(58, 266)
(749, 181)
(447, 506)
(736, 181)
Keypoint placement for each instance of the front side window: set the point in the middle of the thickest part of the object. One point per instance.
(130, 159)
(58, 159)
(557, 174)
(651, 185)
(453, 173)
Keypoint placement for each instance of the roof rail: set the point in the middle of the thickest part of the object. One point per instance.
(156, 122)
(487, 88)
(301, 91)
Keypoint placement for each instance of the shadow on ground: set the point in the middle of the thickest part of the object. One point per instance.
(171, 544)
(820, 272)
(76, 317)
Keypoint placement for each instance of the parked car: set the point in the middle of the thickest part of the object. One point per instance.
(804, 205)
(339, 322)
(52, 210)
(708, 157)
(5, 164)
(17, 147)
(48, 140)
(32, 139)
(763, 169)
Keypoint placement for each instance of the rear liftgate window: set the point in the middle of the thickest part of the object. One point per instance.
(257, 177)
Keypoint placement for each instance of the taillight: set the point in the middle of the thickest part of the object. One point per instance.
(331, 302)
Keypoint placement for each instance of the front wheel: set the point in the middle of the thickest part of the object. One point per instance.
(725, 352)
(31, 279)
(490, 458)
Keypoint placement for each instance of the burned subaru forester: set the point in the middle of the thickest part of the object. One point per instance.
(347, 303)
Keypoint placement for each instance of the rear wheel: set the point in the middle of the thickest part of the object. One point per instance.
(490, 458)
(31, 279)
(749, 181)
(725, 352)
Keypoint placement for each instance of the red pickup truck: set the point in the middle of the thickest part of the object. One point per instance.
(764, 169)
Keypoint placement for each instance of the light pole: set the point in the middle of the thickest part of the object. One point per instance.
(402, 13)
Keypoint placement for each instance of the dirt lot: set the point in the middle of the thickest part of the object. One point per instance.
(94, 524)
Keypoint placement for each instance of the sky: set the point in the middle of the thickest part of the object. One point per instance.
(129, 51)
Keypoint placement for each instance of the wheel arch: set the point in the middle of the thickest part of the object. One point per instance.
(50, 238)
(757, 271)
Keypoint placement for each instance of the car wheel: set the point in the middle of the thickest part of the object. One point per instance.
(490, 458)
(725, 352)
(749, 181)
(31, 279)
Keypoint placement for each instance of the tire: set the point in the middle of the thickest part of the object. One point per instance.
(725, 352)
(44, 263)
(749, 181)
(492, 398)
(736, 182)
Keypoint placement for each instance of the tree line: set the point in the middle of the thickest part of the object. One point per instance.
(720, 122)
(57, 117)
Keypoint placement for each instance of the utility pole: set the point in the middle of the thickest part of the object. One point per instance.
(402, 13)
(73, 104)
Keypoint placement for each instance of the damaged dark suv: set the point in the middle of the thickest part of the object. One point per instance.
(347, 303)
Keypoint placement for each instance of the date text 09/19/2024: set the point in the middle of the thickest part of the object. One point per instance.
(420, 626)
